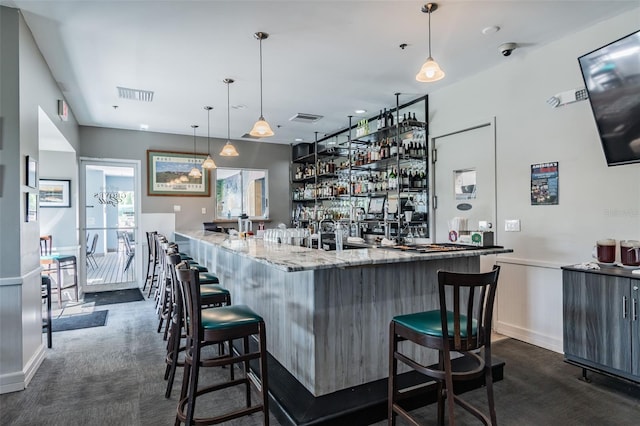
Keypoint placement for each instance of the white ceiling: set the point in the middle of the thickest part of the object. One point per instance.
(322, 57)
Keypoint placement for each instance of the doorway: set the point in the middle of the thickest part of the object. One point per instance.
(465, 182)
(110, 200)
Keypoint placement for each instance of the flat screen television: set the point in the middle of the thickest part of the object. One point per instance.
(612, 78)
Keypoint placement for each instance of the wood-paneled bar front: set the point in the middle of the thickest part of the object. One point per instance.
(327, 313)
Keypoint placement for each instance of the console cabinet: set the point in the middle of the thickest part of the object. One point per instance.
(601, 326)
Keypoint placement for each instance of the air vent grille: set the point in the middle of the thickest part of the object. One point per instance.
(306, 118)
(135, 94)
(248, 136)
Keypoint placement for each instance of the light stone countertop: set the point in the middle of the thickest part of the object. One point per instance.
(291, 258)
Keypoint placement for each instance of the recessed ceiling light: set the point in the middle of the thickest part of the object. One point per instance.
(144, 127)
(238, 106)
(360, 111)
(490, 30)
(298, 139)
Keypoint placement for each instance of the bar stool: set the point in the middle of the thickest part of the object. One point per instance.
(212, 295)
(152, 260)
(463, 326)
(58, 263)
(211, 326)
(165, 300)
(45, 291)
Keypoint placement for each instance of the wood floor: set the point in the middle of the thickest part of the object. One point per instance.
(110, 269)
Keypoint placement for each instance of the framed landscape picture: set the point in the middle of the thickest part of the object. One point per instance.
(55, 193)
(168, 174)
(32, 172)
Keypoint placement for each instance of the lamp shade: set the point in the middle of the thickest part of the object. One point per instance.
(195, 173)
(261, 129)
(430, 72)
(208, 163)
(229, 150)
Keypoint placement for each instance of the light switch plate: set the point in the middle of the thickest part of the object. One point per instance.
(176, 208)
(512, 225)
(204, 210)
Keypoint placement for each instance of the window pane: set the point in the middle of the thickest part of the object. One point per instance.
(241, 191)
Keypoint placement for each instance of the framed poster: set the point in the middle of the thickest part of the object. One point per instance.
(168, 174)
(544, 184)
(32, 172)
(31, 207)
(55, 193)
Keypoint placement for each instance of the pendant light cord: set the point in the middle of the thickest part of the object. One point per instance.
(229, 114)
(208, 128)
(261, 77)
(429, 6)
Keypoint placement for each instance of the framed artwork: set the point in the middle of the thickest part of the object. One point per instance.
(32, 172)
(168, 174)
(545, 184)
(55, 193)
(31, 207)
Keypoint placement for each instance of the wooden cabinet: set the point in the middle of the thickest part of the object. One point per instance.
(601, 324)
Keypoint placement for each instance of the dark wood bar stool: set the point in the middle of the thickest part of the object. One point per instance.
(164, 301)
(152, 260)
(216, 325)
(45, 290)
(211, 295)
(463, 325)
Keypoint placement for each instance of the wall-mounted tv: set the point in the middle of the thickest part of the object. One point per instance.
(612, 78)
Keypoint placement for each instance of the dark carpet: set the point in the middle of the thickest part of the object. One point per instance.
(114, 376)
(76, 322)
(112, 297)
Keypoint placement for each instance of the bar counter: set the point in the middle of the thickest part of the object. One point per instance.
(327, 313)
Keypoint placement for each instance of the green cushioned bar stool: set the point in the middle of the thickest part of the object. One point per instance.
(463, 325)
(216, 325)
(212, 295)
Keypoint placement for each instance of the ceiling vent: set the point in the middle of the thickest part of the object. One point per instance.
(135, 94)
(306, 118)
(248, 136)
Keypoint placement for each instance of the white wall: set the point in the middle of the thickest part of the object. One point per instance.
(595, 201)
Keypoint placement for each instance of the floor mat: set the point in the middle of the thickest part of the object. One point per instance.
(76, 322)
(115, 296)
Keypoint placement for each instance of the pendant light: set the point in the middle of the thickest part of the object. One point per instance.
(261, 129)
(195, 172)
(430, 70)
(228, 150)
(208, 163)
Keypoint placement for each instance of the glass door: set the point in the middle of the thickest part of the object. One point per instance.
(110, 194)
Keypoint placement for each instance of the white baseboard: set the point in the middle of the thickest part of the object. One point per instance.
(19, 380)
(548, 342)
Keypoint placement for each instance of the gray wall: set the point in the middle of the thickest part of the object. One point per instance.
(100, 142)
(25, 84)
(60, 222)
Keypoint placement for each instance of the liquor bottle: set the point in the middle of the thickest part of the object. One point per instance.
(393, 151)
(393, 180)
(379, 123)
(390, 120)
(385, 119)
(405, 179)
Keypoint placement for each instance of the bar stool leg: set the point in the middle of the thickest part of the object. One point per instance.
(393, 371)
